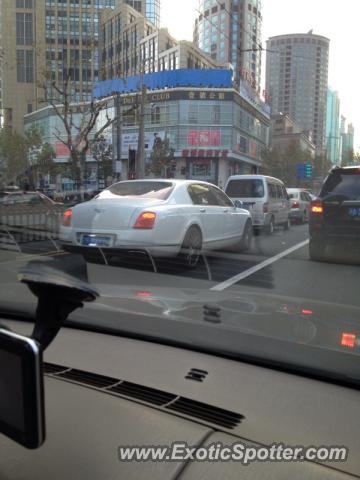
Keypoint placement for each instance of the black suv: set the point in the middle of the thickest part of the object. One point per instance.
(335, 214)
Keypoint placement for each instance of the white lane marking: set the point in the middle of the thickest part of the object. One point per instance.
(241, 276)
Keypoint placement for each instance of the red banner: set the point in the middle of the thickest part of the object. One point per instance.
(204, 138)
(61, 150)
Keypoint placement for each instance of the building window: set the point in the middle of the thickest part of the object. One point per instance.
(24, 3)
(25, 66)
(24, 28)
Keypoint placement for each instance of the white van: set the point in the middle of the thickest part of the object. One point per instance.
(265, 197)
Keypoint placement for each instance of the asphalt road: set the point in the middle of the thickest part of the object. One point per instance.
(277, 265)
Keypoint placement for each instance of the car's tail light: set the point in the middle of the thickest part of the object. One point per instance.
(66, 219)
(317, 207)
(295, 205)
(348, 340)
(265, 208)
(143, 294)
(145, 221)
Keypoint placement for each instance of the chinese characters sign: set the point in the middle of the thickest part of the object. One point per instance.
(205, 153)
(204, 138)
(206, 95)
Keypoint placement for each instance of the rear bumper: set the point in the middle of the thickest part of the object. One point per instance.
(261, 220)
(127, 240)
(295, 213)
(163, 251)
(335, 236)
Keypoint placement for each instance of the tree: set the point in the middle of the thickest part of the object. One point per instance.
(322, 165)
(102, 153)
(14, 152)
(80, 122)
(348, 157)
(43, 163)
(161, 158)
(281, 163)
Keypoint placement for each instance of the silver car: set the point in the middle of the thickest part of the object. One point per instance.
(300, 204)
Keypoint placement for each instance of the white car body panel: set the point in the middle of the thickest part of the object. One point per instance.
(114, 216)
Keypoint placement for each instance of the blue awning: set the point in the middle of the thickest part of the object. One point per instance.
(202, 78)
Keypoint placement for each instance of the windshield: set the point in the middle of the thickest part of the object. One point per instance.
(293, 194)
(344, 184)
(160, 154)
(245, 188)
(157, 190)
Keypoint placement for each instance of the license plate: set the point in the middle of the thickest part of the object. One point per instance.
(96, 241)
(354, 212)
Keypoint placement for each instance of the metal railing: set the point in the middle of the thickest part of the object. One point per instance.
(24, 224)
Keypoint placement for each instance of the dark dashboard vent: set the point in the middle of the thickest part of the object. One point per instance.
(150, 395)
(51, 368)
(197, 375)
(169, 401)
(87, 378)
(203, 411)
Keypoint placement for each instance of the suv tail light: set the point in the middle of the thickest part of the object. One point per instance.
(295, 205)
(265, 208)
(145, 221)
(317, 207)
(66, 219)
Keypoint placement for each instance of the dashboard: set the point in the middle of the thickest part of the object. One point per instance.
(104, 391)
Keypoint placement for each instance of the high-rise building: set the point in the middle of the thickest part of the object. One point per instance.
(297, 81)
(148, 8)
(47, 38)
(130, 44)
(230, 31)
(347, 142)
(333, 136)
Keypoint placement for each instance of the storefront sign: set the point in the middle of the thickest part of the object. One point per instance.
(205, 153)
(204, 138)
(179, 95)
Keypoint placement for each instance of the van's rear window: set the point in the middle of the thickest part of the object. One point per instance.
(245, 188)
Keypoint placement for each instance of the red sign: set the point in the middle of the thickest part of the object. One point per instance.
(205, 153)
(61, 150)
(203, 161)
(204, 138)
(253, 149)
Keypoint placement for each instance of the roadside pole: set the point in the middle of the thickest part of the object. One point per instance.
(117, 162)
(140, 167)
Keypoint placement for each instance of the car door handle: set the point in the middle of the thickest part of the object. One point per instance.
(226, 210)
(202, 210)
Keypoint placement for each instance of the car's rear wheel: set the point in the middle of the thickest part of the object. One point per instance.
(271, 227)
(191, 248)
(316, 250)
(245, 242)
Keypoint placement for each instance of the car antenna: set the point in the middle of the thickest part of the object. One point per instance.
(61, 287)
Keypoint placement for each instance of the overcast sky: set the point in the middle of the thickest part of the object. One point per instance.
(339, 21)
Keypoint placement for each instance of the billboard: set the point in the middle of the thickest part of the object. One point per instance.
(204, 138)
(129, 141)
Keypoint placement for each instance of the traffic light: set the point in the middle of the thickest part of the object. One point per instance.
(308, 170)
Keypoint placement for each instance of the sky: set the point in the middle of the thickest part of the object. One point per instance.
(339, 21)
